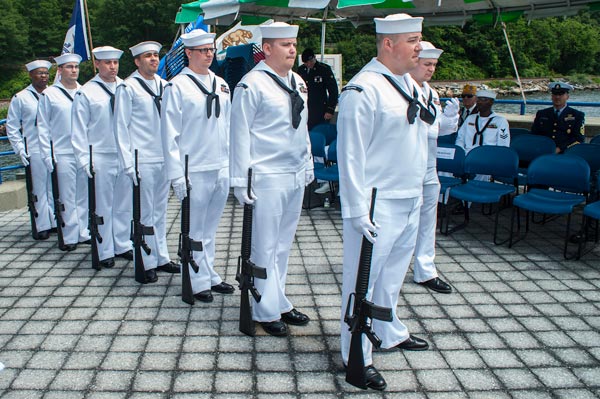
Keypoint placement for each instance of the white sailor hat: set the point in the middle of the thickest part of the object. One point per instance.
(145, 47)
(107, 53)
(429, 51)
(278, 30)
(398, 23)
(486, 94)
(559, 87)
(38, 64)
(197, 37)
(68, 57)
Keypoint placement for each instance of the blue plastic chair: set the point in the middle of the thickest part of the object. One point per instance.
(591, 212)
(329, 130)
(317, 146)
(450, 159)
(518, 131)
(591, 154)
(556, 184)
(490, 160)
(447, 139)
(332, 152)
(595, 140)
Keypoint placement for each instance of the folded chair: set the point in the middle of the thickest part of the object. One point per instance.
(494, 161)
(556, 184)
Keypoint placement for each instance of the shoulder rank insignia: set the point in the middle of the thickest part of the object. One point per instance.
(224, 88)
(352, 87)
(242, 85)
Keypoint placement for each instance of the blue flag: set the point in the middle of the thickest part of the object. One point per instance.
(174, 61)
(76, 40)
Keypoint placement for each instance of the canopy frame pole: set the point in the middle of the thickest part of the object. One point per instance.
(323, 30)
(513, 62)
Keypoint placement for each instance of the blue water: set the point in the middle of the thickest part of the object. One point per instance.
(575, 96)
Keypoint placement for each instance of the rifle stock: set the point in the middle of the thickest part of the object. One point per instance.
(93, 219)
(247, 271)
(31, 197)
(58, 205)
(187, 246)
(363, 310)
(139, 230)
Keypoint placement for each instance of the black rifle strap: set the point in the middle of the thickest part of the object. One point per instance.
(210, 97)
(297, 101)
(157, 97)
(110, 94)
(479, 133)
(66, 93)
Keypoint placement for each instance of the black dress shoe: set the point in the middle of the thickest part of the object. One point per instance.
(438, 285)
(295, 318)
(54, 230)
(204, 296)
(43, 235)
(68, 247)
(108, 263)
(170, 267)
(223, 288)
(151, 276)
(126, 255)
(275, 328)
(86, 242)
(413, 343)
(374, 379)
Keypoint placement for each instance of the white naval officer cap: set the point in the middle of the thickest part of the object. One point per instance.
(559, 87)
(107, 53)
(429, 51)
(145, 47)
(197, 37)
(398, 23)
(38, 64)
(278, 30)
(486, 94)
(68, 57)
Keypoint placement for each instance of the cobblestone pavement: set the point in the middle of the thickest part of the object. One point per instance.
(522, 323)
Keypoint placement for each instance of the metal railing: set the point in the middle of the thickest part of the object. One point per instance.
(7, 153)
(523, 106)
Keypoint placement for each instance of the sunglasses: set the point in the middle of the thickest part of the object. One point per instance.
(466, 95)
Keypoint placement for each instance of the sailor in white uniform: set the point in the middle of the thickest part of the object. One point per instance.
(93, 112)
(269, 134)
(137, 127)
(20, 125)
(382, 143)
(195, 122)
(54, 125)
(484, 128)
(425, 272)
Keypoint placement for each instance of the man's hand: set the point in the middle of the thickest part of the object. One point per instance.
(241, 193)
(131, 174)
(327, 116)
(48, 163)
(179, 188)
(309, 176)
(24, 157)
(86, 167)
(363, 225)
(452, 107)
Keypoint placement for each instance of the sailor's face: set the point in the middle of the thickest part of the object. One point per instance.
(281, 52)
(559, 100)
(39, 78)
(69, 71)
(201, 57)
(424, 69)
(405, 49)
(147, 62)
(108, 69)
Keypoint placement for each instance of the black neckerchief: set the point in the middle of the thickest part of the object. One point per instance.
(297, 101)
(66, 93)
(156, 97)
(210, 97)
(110, 94)
(37, 97)
(413, 102)
(479, 133)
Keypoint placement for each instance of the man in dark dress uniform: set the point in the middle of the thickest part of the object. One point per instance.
(563, 124)
(322, 89)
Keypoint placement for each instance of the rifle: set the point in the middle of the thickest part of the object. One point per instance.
(59, 207)
(138, 230)
(247, 271)
(93, 219)
(31, 197)
(187, 246)
(362, 310)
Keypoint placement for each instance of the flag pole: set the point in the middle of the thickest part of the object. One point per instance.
(87, 20)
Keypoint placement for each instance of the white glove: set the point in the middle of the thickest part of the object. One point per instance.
(48, 163)
(241, 193)
(24, 158)
(363, 225)
(86, 167)
(131, 174)
(452, 107)
(179, 188)
(309, 176)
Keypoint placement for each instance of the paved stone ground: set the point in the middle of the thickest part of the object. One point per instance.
(522, 323)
